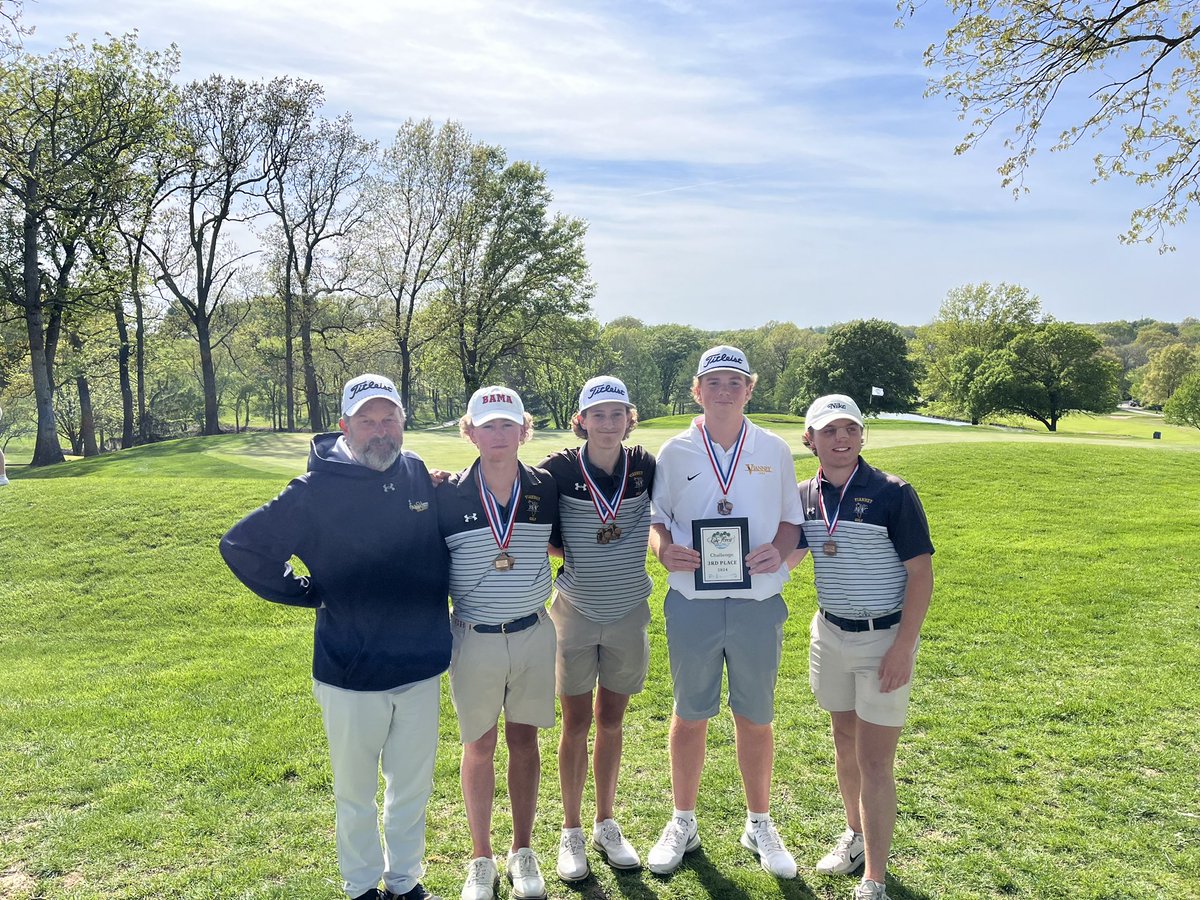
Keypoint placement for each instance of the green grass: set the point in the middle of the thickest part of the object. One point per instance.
(158, 737)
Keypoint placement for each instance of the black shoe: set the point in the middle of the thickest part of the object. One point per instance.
(416, 892)
(375, 894)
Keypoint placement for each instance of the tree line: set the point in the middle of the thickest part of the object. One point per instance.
(190, 258)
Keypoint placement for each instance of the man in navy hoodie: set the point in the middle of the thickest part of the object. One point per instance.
(363, 520)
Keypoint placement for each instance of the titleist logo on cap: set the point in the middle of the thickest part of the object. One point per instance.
(722, 357)
(604, 389)
(356, 389)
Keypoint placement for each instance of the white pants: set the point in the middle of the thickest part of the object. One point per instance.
(396, 731)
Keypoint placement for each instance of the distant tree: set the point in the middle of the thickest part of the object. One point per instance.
(1184, 406)
(514, 268)
(674, 350)
(858, 356)
(316, 170)
(1133, 64)
(973, 320)
(1048, 371)
(627, 343)
(419, 203)
(1167, 369)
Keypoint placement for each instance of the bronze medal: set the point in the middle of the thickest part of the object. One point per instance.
(504, 561)
(603, 536)
(724, 507)
(830, 548)
(614, 532)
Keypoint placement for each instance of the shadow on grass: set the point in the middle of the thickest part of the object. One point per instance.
(897, 890)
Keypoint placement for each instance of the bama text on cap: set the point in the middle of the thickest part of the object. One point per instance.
(495, 402)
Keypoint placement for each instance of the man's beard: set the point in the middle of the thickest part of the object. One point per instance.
(379, 453)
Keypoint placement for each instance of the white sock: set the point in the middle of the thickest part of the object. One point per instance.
(688, 815)
(754, 817)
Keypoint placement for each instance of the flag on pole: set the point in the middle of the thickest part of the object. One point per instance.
(876, 392)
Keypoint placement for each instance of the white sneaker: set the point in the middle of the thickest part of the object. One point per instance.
(762, 837)
(526, 877)
(482, 879)
(870, 890)
(607, 838)
(572, 857)
(845, 857)
(677, 838)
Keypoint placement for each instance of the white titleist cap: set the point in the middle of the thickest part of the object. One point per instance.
(830, 408)
(367, 387)
(723, 358)
(603, 389)
(495, 402)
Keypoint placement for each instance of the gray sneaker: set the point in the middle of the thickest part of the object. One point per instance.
(870, 890)
(845, 857)
(677, 838)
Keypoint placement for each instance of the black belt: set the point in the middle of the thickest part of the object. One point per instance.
(507, 627)
(879, 624)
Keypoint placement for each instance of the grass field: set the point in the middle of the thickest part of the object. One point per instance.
(158, 737)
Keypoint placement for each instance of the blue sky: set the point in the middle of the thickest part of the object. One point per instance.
(737, 162)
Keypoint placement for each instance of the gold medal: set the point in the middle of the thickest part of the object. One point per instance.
(504, 561)
(724, 507)
(830, 548)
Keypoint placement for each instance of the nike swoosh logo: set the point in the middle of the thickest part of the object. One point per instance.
(697, 475)
(855, 857)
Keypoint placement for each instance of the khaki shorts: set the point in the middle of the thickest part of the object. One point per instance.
(509, 673)
(616, 654)
(843, 671)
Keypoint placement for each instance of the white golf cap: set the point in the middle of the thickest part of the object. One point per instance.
(367, 387)
(723, 359)
(830, 408)
(495, 402)
(603, 389)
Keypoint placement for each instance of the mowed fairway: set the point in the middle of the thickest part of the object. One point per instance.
(158, 736)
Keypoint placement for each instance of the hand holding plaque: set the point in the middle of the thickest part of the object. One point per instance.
(723, 544)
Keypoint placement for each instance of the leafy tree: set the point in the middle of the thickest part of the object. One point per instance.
(420, 203)
(315, 172)
(1006, 62)
(73, 125)
(973, 320)
(674, 351)
(1167, 369)
(1184, 406)
(627, 343)
(858, 356)
(514, 268)
(1048, 371)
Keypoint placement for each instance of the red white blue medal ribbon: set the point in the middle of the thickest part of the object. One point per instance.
(724, 478)
(832, 524)
(606, 509)
(502, 530)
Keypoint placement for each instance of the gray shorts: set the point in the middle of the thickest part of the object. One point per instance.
(513, 673)
(706, 637)
(617, 654)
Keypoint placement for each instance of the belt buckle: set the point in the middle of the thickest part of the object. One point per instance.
(504, 627)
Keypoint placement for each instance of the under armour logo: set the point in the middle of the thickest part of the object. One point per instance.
(471, 517)
(580, 487)
(389, 487)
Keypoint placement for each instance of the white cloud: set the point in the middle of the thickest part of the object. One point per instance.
(736, 162)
